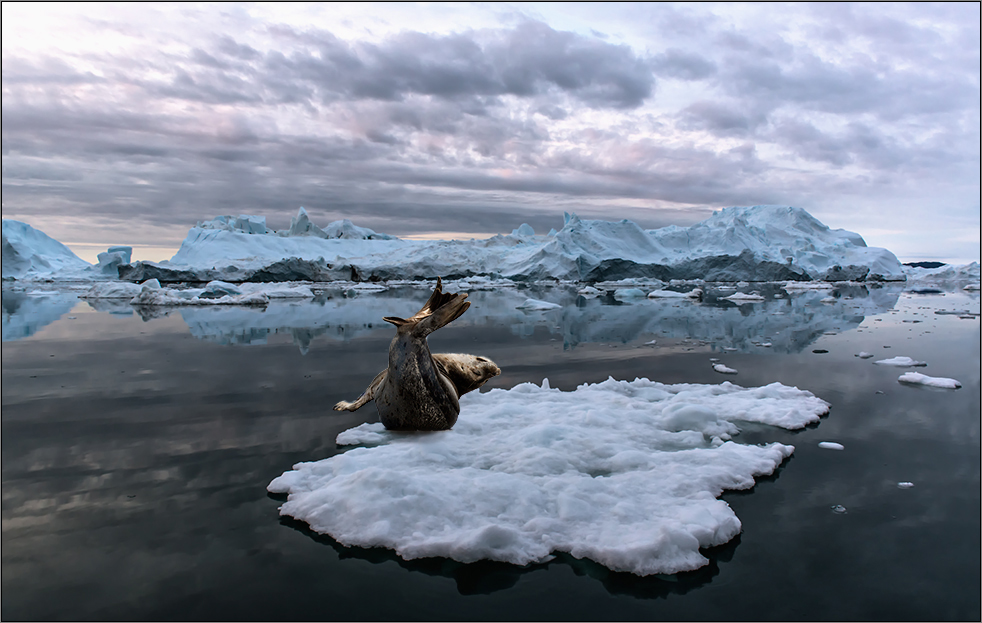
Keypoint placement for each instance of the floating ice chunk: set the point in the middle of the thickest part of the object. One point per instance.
(589, 291)
(623, 473)
(651, 343)
(218, 289)
(839, 509)
(537, 305)
(916, 378)
(808, 285)
(741, 297)
(864, 355)
(628, 293)
(901, 362)
(722, 369)
(671, 294)
(113, 290)
(828, 300)
(905, 485)
(831, 445)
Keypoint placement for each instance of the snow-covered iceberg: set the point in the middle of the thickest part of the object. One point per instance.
(624, 473)
(760, 243)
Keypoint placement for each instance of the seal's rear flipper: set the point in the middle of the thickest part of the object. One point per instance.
(440, 310)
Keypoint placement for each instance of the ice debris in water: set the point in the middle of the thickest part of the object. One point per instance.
(864, 355)
(831, 445)
(916, 378)
(905, 485)
(537, 305)
(723, 369)
(901, 362)
(839, 509)
(624, 473)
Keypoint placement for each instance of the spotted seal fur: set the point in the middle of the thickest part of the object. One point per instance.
(420, 390)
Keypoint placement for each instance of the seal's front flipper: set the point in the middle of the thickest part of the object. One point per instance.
(365, 397)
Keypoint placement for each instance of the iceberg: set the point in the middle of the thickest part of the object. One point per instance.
(751, 244)
(627, 474)
(30, 253)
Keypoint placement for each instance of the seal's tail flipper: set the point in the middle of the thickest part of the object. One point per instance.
(440, 310)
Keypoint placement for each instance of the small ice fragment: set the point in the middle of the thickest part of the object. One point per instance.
(839, 509)
(828, 299)
(651, 343)
(864, 355)
(537, 305)
(905, 485)
(901, 362)
(831, 445)
(741, 297)
(916, 378)
(722, 369)
(714, 359)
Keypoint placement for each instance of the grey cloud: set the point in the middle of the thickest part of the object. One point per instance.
(528, 60)
(720, 119)
(675, 63)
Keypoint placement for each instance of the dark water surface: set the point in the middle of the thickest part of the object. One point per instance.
(136, 454)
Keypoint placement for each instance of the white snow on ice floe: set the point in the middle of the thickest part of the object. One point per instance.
(623, 473)
(537, 305)
(901, 362)
(831, 445)
(916, 378)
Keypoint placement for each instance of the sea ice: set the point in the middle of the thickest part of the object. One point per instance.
(722, 369)
(741, 297)
(916, 378)
(905, 485)
(537, 305)
(831, 445)
(901, 362)
(671, 294)
(628, 293)
(864, 355)
(623, 473)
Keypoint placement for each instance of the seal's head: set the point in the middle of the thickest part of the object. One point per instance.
(466, 372)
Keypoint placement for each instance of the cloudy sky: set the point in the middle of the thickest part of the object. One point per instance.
(126, 124)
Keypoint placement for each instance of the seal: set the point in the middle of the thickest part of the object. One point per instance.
(420, 390)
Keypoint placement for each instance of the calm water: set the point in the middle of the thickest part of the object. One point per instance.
(136, 450)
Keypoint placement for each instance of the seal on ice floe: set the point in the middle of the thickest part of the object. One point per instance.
(420, 390)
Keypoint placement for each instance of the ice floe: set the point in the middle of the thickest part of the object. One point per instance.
(624, 473)
(831, 445)
(743, 297)
(537, 305)
(692, 295)
(916, 378)
(901, 362)
(723, 369)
